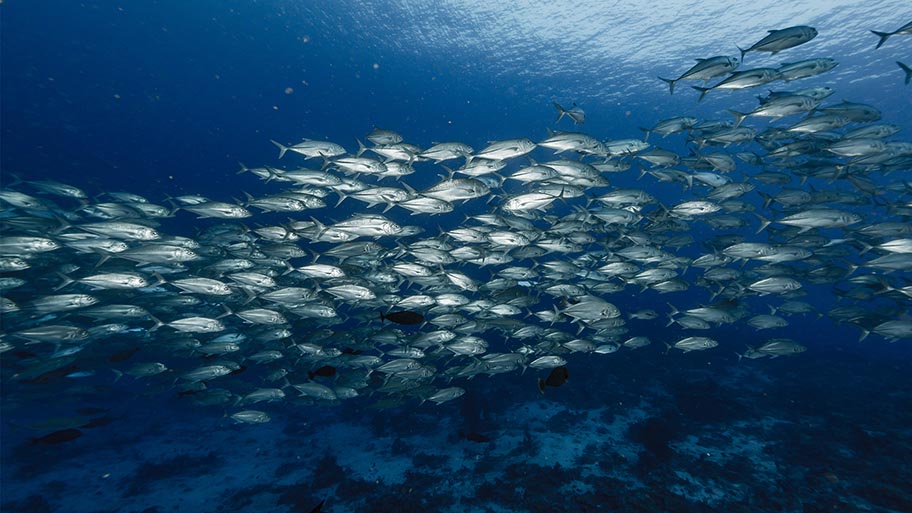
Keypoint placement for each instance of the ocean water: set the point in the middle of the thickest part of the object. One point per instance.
(165, 99)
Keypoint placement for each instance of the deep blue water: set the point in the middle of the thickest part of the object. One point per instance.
(166, 98)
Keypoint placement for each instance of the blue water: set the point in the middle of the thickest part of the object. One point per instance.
(166, 98)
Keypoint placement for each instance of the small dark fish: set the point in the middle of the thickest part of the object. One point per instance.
(477, 437)
(98, 422)
(122, 356)
(557, 378)
(404, 317)
(58, 437)
(90, 410)
(54, 375)
(326, 371)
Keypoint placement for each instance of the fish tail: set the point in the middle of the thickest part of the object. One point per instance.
(541, 385)
(739, 116)
(361, 148)
(883, 37)
(65, 280)
(382, 317)
(742, 53)
(908, 71)
(560, 111)
(763, 222)
(703, 91)
(671, 84)
(342, 197)
(282, 148)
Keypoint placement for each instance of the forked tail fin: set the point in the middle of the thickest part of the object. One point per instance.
(883, 37)
(282, 148)
(908, 71)
(560, 111)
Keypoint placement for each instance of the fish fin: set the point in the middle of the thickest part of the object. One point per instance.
(361, 147)
(763, 222)
(249, 198)
(883, 37)
(703, 91)
(159, 279)
(66, 280)
(282, 148)
(671, 84)
(742, 53)
(560, 110)
(739, 116)
(541, 385)
(319, 507)
(102, 257)
(908, 71)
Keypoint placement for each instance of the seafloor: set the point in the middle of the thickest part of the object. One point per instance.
(817, 432)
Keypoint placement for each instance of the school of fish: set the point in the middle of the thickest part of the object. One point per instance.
(275, 300)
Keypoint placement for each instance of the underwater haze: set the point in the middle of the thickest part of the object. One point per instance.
(455, 256)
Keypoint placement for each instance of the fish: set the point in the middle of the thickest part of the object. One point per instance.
(789, 71)
(689, 344)
(557, 377)
(403, 317)
(742, 80)
(311, 149)
(58, 437)
(383, 136)
(575, 113)
(446, 394)
(319, 507)
(782, 39)
(476, 437)
(250, 417)
(706, 69)
(905, 29)
(535, 248)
